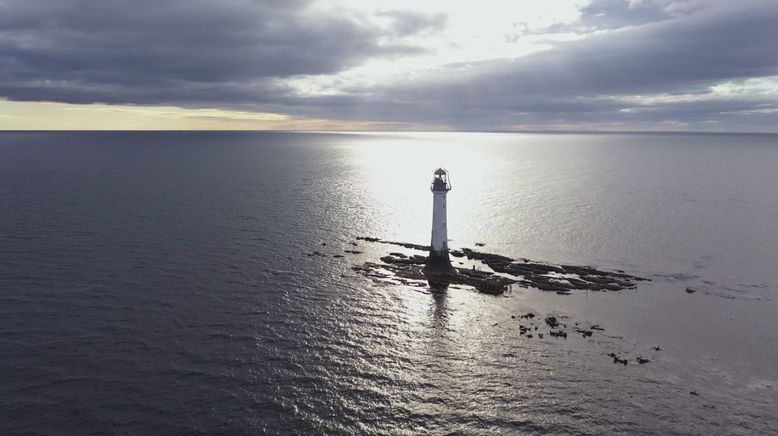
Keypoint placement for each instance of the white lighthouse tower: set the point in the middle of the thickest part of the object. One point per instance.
(438, 261)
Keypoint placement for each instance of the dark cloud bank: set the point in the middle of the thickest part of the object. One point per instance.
(237, 53)
(185, 52)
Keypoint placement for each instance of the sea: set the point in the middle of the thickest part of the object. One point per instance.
(164, 283)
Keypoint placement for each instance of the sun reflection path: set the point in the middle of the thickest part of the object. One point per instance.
(442, 322)
(394, 171)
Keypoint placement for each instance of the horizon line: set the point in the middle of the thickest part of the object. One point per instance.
(352, 131)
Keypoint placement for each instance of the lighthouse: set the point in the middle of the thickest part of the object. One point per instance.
(438, 261)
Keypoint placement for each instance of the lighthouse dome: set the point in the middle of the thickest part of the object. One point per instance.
(440, 181)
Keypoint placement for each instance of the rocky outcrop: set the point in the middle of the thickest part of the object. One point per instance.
(505, 271)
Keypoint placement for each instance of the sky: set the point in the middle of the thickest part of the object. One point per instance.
(487, 65)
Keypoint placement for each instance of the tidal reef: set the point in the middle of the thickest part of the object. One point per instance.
(502, 272)
(617, 359)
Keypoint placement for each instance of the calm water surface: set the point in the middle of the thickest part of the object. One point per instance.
(157, 283)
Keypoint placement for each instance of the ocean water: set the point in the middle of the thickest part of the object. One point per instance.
(158, 283)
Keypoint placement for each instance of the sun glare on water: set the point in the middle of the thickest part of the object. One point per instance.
(402, 165)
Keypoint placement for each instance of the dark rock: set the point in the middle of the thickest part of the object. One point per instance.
(695, 393)
(474, 273)
(596, 327)
(690, 290)
(401, 261)
(338, 256)
(657, 348)
(552, 322)
(577, 283)
(617, 359)
(479, 244)
(401, 244)
(493, 287)
(487, 258)
(353, 251)
(642, 360)
(585, 333)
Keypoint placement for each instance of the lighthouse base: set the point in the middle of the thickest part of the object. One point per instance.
(438, 264)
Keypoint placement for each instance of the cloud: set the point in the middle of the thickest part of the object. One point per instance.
(408, 23)
(182, 51)
(601, 15)
(592, 79)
